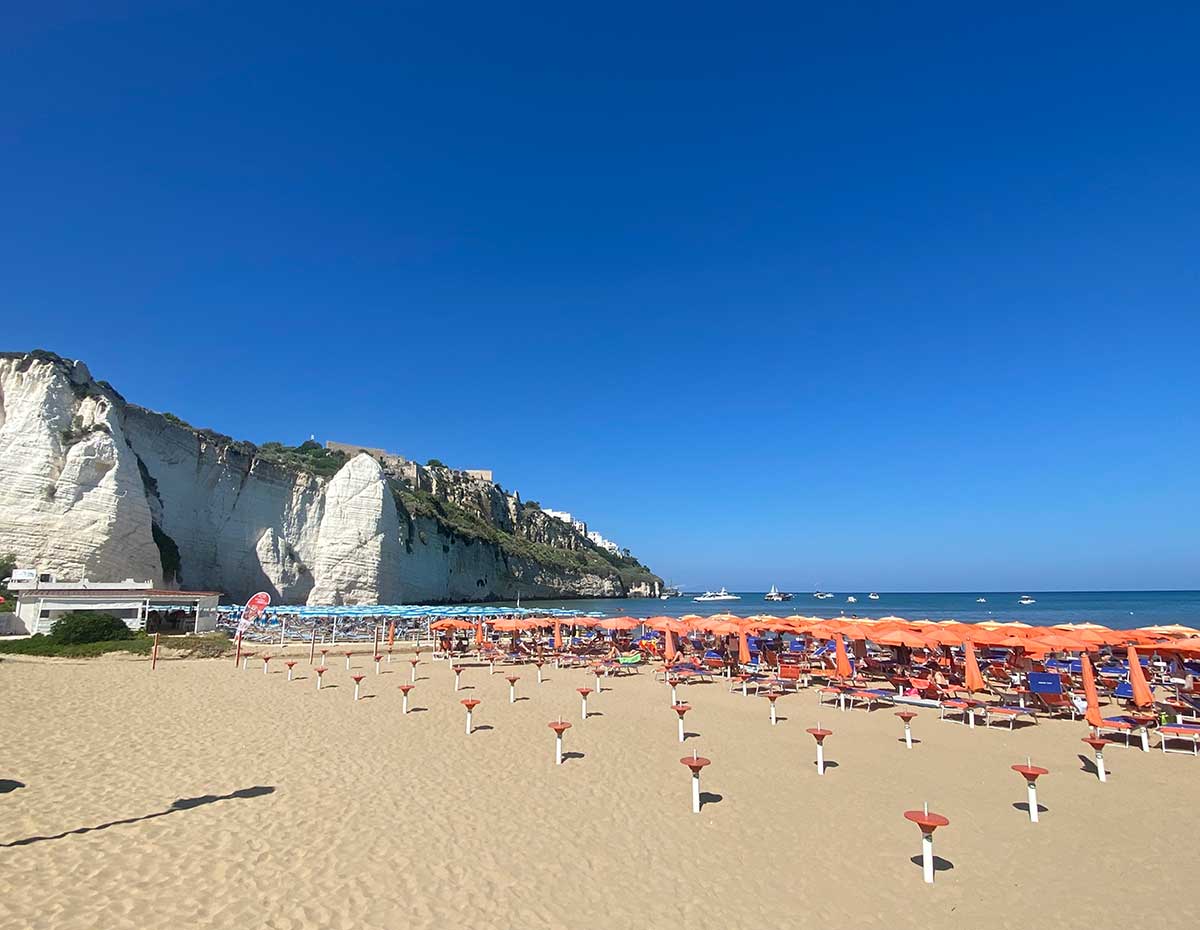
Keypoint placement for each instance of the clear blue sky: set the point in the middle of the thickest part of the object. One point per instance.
(894, 296)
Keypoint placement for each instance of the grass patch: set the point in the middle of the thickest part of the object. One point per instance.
(205, 646)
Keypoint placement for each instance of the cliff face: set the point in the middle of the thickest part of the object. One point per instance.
(92, 486)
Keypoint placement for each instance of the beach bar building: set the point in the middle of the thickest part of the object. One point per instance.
(41, 600)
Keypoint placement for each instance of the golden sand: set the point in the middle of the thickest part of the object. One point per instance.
(203, 796)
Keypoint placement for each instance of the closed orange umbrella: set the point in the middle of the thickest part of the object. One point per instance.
(743, 646)
(670, 645)
(1142, 695)
(557, 636)
(478, 632)
(974, 680)
(1089, 690)
(842, 665)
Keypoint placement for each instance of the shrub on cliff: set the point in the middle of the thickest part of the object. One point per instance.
(84, 626)
(309, 456)
(7, 564)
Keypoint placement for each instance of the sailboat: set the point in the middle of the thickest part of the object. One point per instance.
(776, 595)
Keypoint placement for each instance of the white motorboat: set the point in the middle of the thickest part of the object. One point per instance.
(721, 595)
(852, 599)
(1026, 600)
(981, 600)
(776, 595)
(873, 596)
(822, 595)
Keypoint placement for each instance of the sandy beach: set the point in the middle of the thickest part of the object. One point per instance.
(203, 796)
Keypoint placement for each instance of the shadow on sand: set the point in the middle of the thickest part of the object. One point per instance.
(181, 804)
(939, 864)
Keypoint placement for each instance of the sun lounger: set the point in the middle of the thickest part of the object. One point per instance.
(630, 662)
(910, 701)
(952, 708)
(1183, 705)
(831, 692)
(869, 697)
(1005, 712)
(1122, 725)
(1180, 732)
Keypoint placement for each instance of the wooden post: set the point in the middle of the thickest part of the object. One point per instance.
(237, 654)
(312, 646)
(154, 653)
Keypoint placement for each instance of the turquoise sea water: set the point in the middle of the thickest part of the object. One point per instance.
(1116, 609)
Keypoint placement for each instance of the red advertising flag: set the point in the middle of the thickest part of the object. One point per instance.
(253, 610)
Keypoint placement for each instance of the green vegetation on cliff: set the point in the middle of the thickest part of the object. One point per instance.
(470, 526)
(7, 564)
(309, 456)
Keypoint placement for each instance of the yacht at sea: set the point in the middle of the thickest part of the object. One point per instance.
(981, 600)
(776, 595)
(822, 595)
(721, 595)
(873, 596)
(1026, 600)
(852, 599)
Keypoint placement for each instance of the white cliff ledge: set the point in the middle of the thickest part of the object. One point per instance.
(93, 486)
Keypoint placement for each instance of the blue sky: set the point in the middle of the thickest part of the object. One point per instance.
(870, 296)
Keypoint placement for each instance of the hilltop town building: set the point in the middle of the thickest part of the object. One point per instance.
(398, 462)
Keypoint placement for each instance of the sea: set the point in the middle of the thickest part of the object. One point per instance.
(1115, 609)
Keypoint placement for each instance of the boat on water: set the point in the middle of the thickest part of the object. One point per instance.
(1026, 600)
(669, 591)
(852, 599)
(873, 596)
(981, 600)
(776, 595)
(822, 595)
(721, 595)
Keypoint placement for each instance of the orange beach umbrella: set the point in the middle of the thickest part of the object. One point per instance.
(557, 636)
(842, 663)
(619, 623)
(973, 679)
(1092, 716)
(449, 623)
(743, 646)
(1142, 695)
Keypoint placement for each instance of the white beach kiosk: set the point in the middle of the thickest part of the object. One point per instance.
(42, 599)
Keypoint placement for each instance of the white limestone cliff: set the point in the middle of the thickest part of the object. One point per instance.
(70, 492)
(358, 544)
(92, 486)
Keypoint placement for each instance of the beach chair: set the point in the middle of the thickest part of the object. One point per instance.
(628, 663)
(952, 708)
(1047, 689)
(869, 698)
(1183, 705)
(788, 676)
(1119, 725)
(1180, 732)
(1005, 712)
